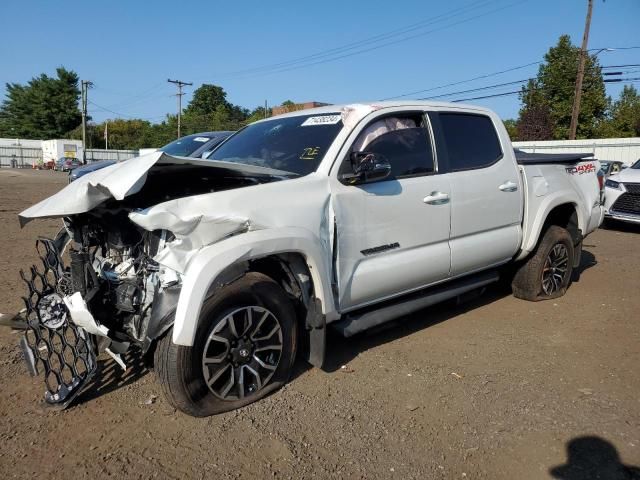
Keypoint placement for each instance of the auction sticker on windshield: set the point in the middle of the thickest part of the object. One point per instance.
(321, 120)
(201, 139)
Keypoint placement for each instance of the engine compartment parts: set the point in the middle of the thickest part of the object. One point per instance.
(100, 301)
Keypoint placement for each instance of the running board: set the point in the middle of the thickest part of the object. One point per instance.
(361, 320)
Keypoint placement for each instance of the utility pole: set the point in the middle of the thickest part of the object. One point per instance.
(179, 84)
(575, 112)
(85, 84)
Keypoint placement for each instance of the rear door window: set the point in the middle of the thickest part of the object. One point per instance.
(471, 141)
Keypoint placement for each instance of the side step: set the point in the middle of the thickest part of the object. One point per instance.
(361, 320)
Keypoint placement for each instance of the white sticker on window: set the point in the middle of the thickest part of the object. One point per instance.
(201, 139)
(322, 120)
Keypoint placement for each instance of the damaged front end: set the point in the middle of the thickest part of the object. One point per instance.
(108, 294)
(133, 232)
(101, 286)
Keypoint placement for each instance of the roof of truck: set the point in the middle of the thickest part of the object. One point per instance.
(372, 106)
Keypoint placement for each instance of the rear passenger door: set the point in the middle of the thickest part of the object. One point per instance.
(486, 193)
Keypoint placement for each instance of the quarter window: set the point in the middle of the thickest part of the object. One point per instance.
(471, 141)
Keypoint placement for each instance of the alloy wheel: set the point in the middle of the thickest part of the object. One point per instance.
(555, 269)
(242, 352)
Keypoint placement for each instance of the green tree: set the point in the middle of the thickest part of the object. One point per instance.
(535, 123)
(258, 113)
(553, 91)
(512, 128)
(624, 115)
(206, 99)
(46, 107)
(128, 134)
(210, 110)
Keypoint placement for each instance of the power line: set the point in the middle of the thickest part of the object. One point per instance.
(411, 37)
(372, 39)
(140, 95)
(488, 75)
(109, 110)
(514, 92)
(623, 66)
(119, 114)
(488, 87)
(612, 80)
(479, 78)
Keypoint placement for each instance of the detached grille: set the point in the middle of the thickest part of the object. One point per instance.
(633, 188)
(628, 202)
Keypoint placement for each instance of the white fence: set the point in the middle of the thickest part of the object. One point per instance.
(22, 157)
(97, 154)
(19, 157)
(626, 150)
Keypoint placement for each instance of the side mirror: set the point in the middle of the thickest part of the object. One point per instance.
(367, 167)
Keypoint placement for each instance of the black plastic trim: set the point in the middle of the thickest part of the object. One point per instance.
(361, 320)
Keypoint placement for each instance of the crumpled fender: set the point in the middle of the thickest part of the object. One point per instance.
(192, 231)
(209, 262)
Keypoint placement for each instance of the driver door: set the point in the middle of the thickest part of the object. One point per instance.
(392, 235)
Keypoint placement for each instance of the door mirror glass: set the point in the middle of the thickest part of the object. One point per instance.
(367, 167)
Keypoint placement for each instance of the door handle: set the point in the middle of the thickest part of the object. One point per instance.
(508, 186)
(436, 198)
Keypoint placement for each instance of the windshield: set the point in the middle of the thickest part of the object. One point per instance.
(185, 146)
(292, 144)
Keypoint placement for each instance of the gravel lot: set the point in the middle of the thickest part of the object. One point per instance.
(495, 388)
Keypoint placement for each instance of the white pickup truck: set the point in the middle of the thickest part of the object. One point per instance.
(228, 268)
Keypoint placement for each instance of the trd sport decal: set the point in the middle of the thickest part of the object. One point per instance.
(582, 168)
(381, 248)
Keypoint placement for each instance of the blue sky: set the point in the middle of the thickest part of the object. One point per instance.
(130, 48)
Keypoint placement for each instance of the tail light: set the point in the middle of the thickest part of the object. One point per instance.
(600, 179)
(601, 182)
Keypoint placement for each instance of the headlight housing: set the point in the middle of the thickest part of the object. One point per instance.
(613, 184)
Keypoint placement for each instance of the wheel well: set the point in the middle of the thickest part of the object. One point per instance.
(564, 216)
(291, 272)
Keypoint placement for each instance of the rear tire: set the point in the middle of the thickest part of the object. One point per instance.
(244, 349)
(547, 273)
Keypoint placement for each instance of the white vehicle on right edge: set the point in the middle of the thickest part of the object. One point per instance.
(622, 195)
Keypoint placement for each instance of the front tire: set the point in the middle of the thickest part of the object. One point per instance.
(244, 349)
(547, 273)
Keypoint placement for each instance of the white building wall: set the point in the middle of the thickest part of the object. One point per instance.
(626, 150)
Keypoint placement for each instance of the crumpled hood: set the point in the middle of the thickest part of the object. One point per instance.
(116, 181)
(197, 220)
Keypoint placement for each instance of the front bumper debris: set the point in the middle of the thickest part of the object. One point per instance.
(64, 351)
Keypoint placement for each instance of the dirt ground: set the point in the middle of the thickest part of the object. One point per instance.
(491, 389)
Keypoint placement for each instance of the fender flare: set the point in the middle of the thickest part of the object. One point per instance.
(208, 263)
(543, 210)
